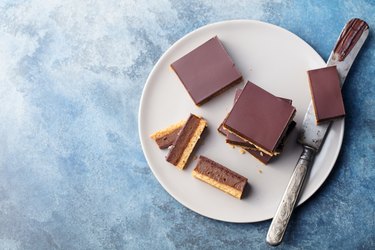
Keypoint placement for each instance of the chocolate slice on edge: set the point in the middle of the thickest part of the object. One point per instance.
(220, 177)
(326, 93)
(260, 118)
(165, 137)
(185, 142)
(206, 71)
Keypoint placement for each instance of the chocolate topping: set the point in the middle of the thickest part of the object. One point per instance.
(168, 139)
(326, 93)
(220, 173)
(235, 140)
(232, 138)
(259, 117)
(183, 139)
(349, 37)
(206, 71)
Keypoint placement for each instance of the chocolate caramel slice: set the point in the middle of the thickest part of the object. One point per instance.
(326, 94)
(234, 140)
(186, 140)
(220, 177)
(165, 137)
(206, 71)
(260, 118)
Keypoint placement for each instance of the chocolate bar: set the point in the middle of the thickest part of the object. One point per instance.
(206, 71)
(220, 177)
(326, 93)
(165, 137)
(186, 140)
(260, 118)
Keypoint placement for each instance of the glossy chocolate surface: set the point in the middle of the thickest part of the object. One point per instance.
(220, 173)
(235, 140)
(232, 138)
(259, 117)
(326, 93)
(206, 71)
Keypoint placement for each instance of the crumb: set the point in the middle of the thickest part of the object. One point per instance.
(242, 151)
(233, 146)
(261, 153)
(195, 157)
(260, 171)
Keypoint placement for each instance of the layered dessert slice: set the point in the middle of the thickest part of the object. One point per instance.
(260, 118)
(326, 94)
(206, 71)
(186, 140)
(165, 137)
(220, 177)
(234, 140)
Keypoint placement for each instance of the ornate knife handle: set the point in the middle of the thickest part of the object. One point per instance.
(284, 211)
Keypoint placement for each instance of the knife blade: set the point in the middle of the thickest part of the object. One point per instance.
(311, 136)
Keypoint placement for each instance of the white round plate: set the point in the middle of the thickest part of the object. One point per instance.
(267, 55)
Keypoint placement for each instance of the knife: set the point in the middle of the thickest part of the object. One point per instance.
(311, 136)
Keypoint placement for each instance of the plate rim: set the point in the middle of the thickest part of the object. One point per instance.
(306, 196)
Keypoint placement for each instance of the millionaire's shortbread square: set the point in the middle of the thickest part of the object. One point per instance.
(234, 140)
(206, 71)
(260, 118)
(326, 93)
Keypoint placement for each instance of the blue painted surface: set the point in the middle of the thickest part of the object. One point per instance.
(72, 171)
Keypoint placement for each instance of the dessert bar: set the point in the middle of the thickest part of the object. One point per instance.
(186, 140)
(260, 118)
(220, 177)
(326, 93)
(206, 71)
(237, 141)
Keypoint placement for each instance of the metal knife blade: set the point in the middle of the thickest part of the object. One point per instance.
(311, 136)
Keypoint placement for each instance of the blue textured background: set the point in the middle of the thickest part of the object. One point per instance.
(72, 171)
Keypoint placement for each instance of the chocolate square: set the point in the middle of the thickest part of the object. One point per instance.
(260, 118)
(326, 93)
(206, 71)
(235, 140)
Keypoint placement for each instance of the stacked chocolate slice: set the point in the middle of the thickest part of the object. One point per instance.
(259, 122)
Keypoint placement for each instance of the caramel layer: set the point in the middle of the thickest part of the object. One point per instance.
(220, 177)
(186, 141)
